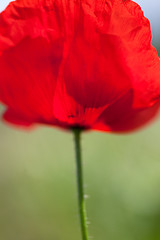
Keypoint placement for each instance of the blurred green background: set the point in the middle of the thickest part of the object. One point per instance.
(38, 199)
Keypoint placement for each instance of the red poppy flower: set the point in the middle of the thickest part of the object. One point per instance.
(80, 63)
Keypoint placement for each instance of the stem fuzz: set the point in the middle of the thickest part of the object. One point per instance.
(80, 185)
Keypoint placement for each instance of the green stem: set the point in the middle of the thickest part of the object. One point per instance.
(80, 186)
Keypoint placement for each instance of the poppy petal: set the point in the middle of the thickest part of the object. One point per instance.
(122, 117)
(30, 58)
(13, 118)
(78, 63)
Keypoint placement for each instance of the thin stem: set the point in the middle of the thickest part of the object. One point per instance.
(80, 186)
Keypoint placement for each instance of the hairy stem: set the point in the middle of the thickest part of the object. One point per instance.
(80, 185)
